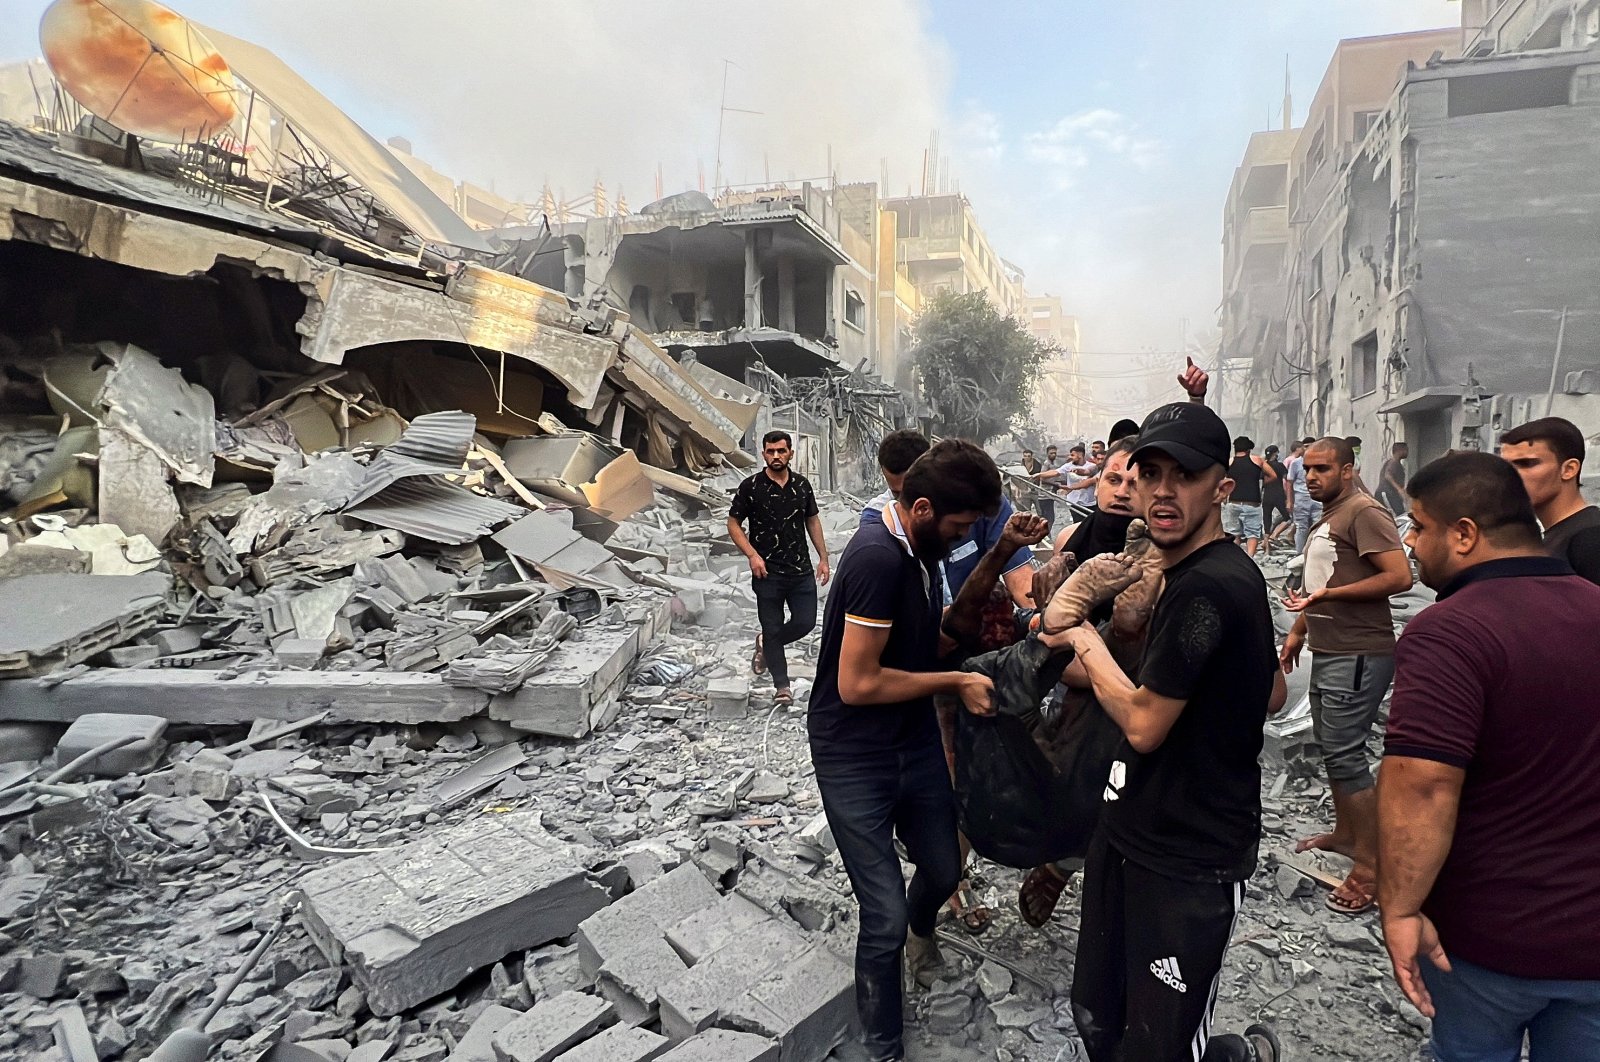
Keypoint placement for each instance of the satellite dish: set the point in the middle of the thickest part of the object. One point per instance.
(140, 66)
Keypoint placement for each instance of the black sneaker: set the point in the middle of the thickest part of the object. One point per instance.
(1264, 1043)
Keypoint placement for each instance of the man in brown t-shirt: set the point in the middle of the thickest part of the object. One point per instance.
(1354, 563)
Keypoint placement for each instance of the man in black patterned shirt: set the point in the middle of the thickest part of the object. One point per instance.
(781, 510)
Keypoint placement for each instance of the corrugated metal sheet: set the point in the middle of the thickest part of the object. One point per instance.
(436, 510)
(434, 444)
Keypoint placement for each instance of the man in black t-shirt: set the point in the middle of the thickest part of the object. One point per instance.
(874, 736)
(782, 510)
(1182, 817)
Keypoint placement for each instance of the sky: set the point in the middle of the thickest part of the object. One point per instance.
(1095, 140)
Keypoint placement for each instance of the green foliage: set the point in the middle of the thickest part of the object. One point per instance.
(977, 367)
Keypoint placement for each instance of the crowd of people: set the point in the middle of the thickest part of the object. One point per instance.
(1472, 839)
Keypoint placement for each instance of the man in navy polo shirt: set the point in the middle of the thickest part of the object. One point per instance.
(874, 735)
(1488, 798)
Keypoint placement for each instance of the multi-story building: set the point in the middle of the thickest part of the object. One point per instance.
(1064, 401)
(1445, 238)
(1255, 243)
(944, 249)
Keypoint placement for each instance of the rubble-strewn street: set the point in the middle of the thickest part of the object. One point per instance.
(446, 621)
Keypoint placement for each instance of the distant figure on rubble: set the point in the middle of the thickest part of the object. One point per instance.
(782, 510)
(1304, 510)
(1548, 455)
(1392, 479)
(1488, 798)
(1241, 513)
(1181, 823)
(874, 736)
(1274, 499)
(1354, 563)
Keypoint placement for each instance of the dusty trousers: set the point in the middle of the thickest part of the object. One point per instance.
(797, 593)
(869, 799)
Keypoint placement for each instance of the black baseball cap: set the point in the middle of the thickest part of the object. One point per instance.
(1189, 433)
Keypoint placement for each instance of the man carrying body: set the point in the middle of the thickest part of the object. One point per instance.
(873, 733)
(1303, 510)
(1488, 800)
(1354, 564)
(1076, 478)
(1548, 455)
(1392, 479)
(1181, 825)
(896, 453)
(781, 510)
(1241, 513)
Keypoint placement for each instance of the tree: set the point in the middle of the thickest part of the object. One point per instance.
(977, 367)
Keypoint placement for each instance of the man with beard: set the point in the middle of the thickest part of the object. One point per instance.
(873, 733)
(1181, 823)
(1488, 800)
(782, 509)
(1354, 564)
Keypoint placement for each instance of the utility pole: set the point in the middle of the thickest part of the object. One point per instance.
(722, 114)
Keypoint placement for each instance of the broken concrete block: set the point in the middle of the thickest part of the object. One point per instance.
(132, 655)
(624, 946)
(703, 932)
(51, 621)
(20, 894)
(723, 1045)
(28, 741)
(551, 1027)
(729, 698)
(412, 922)
(476, 1045)
(91, 731)
(178, 640)
(805, 1004)
(580, 685)
(693, 1002)
(300, 652)
(620, 1043)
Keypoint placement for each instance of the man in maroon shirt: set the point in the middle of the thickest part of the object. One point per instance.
(1488, 799)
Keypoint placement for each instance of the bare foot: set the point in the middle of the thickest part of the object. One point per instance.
(1131, 612)
(1097, 580)
(1327, 842)
(1048, 579)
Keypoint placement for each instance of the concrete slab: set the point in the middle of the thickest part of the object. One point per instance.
(52, 621)
(620, 1043)
(703, 932)
(624, 946)
(477, 1045)
(729, 698)
(569, 697)
(806, 1005)
(215, 698)
(90, 731)
(412, 922)
(693, 1002)
(552, 1027)
(723, 1045)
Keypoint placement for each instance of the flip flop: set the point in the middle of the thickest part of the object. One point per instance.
(974, 917)
(1041, 891)
(758, 662)
(1356, 899)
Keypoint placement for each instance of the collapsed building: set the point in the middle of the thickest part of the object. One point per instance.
(1401, 269)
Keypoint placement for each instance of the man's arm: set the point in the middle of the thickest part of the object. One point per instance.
(1146, 717)
(1194, 380)
(1394, 484)
(1417, 804)
(1269, 473)
(1393, 577)
(814, 527)
(864, 681)
(964, 618)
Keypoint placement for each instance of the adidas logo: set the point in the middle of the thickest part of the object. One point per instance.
(1167, 970)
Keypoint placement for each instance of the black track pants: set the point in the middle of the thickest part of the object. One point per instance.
(1150, 950)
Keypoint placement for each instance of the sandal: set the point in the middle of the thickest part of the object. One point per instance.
(1351, 898)
(974, 917)
(1040, 892)
(758, 662)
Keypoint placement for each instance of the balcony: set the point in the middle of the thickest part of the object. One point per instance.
(930, 248)
(1264, 225)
